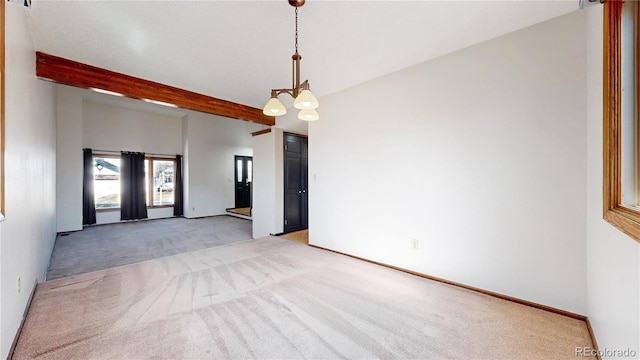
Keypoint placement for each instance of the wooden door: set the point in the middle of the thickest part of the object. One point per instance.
(296, 196)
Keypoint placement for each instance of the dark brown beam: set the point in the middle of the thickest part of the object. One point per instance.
(260, 132)
(69, 72)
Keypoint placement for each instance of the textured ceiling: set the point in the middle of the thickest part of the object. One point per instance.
(239, 50)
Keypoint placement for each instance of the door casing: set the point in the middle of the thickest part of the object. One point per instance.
(296, 195)
(243, 180)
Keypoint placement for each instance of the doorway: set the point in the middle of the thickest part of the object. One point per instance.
(243, 181)
(296, 196)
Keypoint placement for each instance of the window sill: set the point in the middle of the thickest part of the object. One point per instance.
(625, 219)
(118, 209)
(107, 210)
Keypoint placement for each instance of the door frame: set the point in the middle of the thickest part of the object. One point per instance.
(304, 199)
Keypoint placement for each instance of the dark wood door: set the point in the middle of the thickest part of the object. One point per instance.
(243, 179)
(296, 196)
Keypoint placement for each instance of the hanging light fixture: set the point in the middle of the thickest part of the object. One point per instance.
(304, 99)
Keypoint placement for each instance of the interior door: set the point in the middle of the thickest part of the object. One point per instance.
(243, 180)
(296, 196)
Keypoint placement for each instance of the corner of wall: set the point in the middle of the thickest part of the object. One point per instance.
(29, 230)
(613, 258)
(69, 107)
(185, 165)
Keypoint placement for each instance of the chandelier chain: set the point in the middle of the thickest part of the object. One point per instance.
(303, 99)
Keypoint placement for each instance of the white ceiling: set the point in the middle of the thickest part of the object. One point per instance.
(239, 50)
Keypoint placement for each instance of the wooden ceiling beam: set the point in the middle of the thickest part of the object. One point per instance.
(69, 72)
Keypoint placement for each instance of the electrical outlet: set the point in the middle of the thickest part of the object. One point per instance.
(19, 287)
(415, 244)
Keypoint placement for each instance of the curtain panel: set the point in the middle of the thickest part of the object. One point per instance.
(133, 203)
(88, 199)
(178, 193)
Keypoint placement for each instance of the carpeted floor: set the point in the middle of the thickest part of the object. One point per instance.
(271, 298)
(105, 246)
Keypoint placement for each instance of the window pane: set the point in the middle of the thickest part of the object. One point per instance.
(106, 175)
(249, 171)
(163, 182)
(239, 170)
(146, 181)
(628, 114)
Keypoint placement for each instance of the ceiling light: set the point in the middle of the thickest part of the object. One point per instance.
(274, 107)
(304, 99)
(160, 103)
(106, 92)
(308, 115)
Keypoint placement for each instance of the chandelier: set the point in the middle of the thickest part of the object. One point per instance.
(304, 100)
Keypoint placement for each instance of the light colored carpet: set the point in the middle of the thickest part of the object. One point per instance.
(277, 299)
(105, 246)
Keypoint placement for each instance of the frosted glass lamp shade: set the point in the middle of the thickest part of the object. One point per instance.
(308, 115)
(274, 108)
(305, 100)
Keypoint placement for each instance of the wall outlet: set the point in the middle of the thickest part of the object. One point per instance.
(415, 244)
(19, 285)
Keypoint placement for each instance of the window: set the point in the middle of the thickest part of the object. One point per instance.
(106, 182)
(159, 191)
(2, 75)
(620, 111)
(162, 182)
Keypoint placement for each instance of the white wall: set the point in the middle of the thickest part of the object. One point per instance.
(613, 272)
(28, 233)
(69, 158)
(278, 181)
(113, 128)
(264, 171)
(185, 162)
(479, 155)
(268, 186)
(290, 122)
(212, 143)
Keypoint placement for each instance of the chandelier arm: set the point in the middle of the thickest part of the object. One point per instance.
(296, 77)
(303, 86)
(277, 92)
(293, 72)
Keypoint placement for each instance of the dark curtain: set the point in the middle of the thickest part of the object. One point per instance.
(177, 200)
(88, 200)
(132, 186)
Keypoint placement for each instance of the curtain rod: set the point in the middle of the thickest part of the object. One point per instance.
(118, 152)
